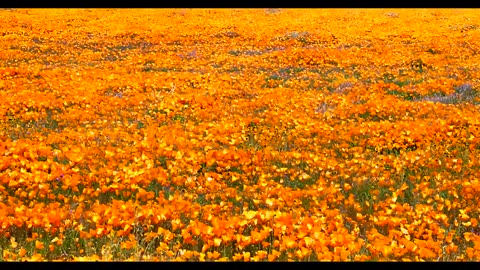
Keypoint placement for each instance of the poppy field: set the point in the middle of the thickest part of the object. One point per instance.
(239, 135)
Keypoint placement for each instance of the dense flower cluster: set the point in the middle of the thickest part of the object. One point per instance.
(239, 135)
